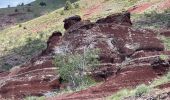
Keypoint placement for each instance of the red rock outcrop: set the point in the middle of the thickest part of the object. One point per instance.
(126, 56)
(71, 21)
(165, 33)
(118, 18)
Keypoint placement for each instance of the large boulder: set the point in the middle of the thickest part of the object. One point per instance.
(119, 18)
(71, 21)
(116, 42)
(53, 40)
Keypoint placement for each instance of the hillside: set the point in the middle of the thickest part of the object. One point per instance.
(130, 39)
(18, 42)
(25, 12)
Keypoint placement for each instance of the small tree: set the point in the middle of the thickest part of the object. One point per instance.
(43, 4)
(22, 4)
(73, 67)
(68, 5)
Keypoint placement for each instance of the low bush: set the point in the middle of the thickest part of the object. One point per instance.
(73, 68)
(68, 6)
(43, 4)
(168, 76)
(76, 5)
(24, 28)
(62, 12)
(35, 98)
(20, 25)
(141, 89)
(164, 57)
(120, 95)
(6, 67)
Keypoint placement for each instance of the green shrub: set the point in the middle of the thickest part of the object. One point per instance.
(68, 5)
(168, 76)
(43, 4)
(73, 67)
(76, 5)
(20, 25)
(6, 67)
(163, 57)
(120, 95)
(35, 98)
(141, 89)
(62, 12)
(24, 28)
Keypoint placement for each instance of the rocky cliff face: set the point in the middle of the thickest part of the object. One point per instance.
(128, 58)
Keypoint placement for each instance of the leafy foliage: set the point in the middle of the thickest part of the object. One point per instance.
(141, 89)
(35, 98)
(119, 95)
(73, 67)
(76, 5)
(68, 5)
(43, 4)
(163, 57)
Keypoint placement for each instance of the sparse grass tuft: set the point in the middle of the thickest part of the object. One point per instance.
(168, 76)
(164, 57)
(76, 5)
(166, 41)
(141, 89)
(121, 94)
(35, 98)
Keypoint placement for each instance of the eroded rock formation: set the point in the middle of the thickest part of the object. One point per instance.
(125, 52)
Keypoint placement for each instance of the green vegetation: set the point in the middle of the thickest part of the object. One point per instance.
(166, 41)
(35, 98)
(121, 94)
(34, 9)
(76, 5)
(163, 57)
(162, 80)
(68, 6)
(152, 20)
(141, 89)
(73, 68)
(138, 91)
